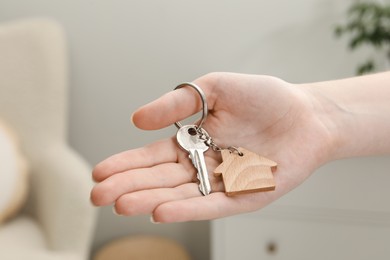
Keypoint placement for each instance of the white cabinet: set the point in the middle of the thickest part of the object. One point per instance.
(341, 212)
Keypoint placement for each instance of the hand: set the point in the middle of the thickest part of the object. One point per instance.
(266, 115)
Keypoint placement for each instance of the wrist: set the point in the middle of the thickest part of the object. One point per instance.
(334, 119)
(356, 111)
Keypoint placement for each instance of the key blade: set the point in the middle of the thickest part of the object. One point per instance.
(195, 146)
(203, 176)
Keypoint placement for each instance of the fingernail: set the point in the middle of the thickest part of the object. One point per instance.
(153, 221)
(115, 212)
(131, 119)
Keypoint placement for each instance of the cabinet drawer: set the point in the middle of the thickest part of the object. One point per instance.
(248, 237)
(341, 212)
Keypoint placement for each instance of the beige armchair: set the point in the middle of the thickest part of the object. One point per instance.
(59, 219)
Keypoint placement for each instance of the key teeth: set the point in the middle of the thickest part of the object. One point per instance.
(202, 175)
(204, 190)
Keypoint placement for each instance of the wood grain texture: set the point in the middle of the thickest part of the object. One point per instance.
(246, 173)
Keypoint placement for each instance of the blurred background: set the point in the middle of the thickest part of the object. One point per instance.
(125, 53)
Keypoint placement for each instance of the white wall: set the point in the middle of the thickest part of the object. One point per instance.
(126, 53)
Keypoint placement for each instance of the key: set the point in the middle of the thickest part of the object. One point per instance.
(242, 171)
(188, 138)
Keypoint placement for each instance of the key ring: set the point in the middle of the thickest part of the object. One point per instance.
(204, 103)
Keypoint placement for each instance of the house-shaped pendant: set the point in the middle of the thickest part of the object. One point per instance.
(245, 172)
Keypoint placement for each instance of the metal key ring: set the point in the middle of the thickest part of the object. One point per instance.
(203, 99)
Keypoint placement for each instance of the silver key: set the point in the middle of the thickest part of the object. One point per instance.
(189, 140)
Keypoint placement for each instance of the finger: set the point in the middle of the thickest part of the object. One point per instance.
(216, 205)
(166, 175)
(145, 201)
(147, 156)
(173, 106)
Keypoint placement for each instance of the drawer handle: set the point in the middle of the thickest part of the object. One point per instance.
(272, 248)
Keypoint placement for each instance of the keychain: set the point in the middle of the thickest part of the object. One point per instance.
(242, 171)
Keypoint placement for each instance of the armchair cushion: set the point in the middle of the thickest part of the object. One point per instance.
(22, 238)
(33, 99)
(13, 174)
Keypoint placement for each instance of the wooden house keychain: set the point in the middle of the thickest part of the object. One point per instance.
(242, 171)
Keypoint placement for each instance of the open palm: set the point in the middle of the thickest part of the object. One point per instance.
(263, 114)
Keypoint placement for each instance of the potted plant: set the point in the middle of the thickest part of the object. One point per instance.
(368, 22)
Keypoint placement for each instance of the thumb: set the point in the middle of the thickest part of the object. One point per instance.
(169, 108)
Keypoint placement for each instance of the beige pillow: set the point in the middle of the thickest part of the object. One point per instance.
(13, 174)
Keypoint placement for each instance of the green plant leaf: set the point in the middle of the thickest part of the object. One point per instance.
(366, 67)
(368, 23)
